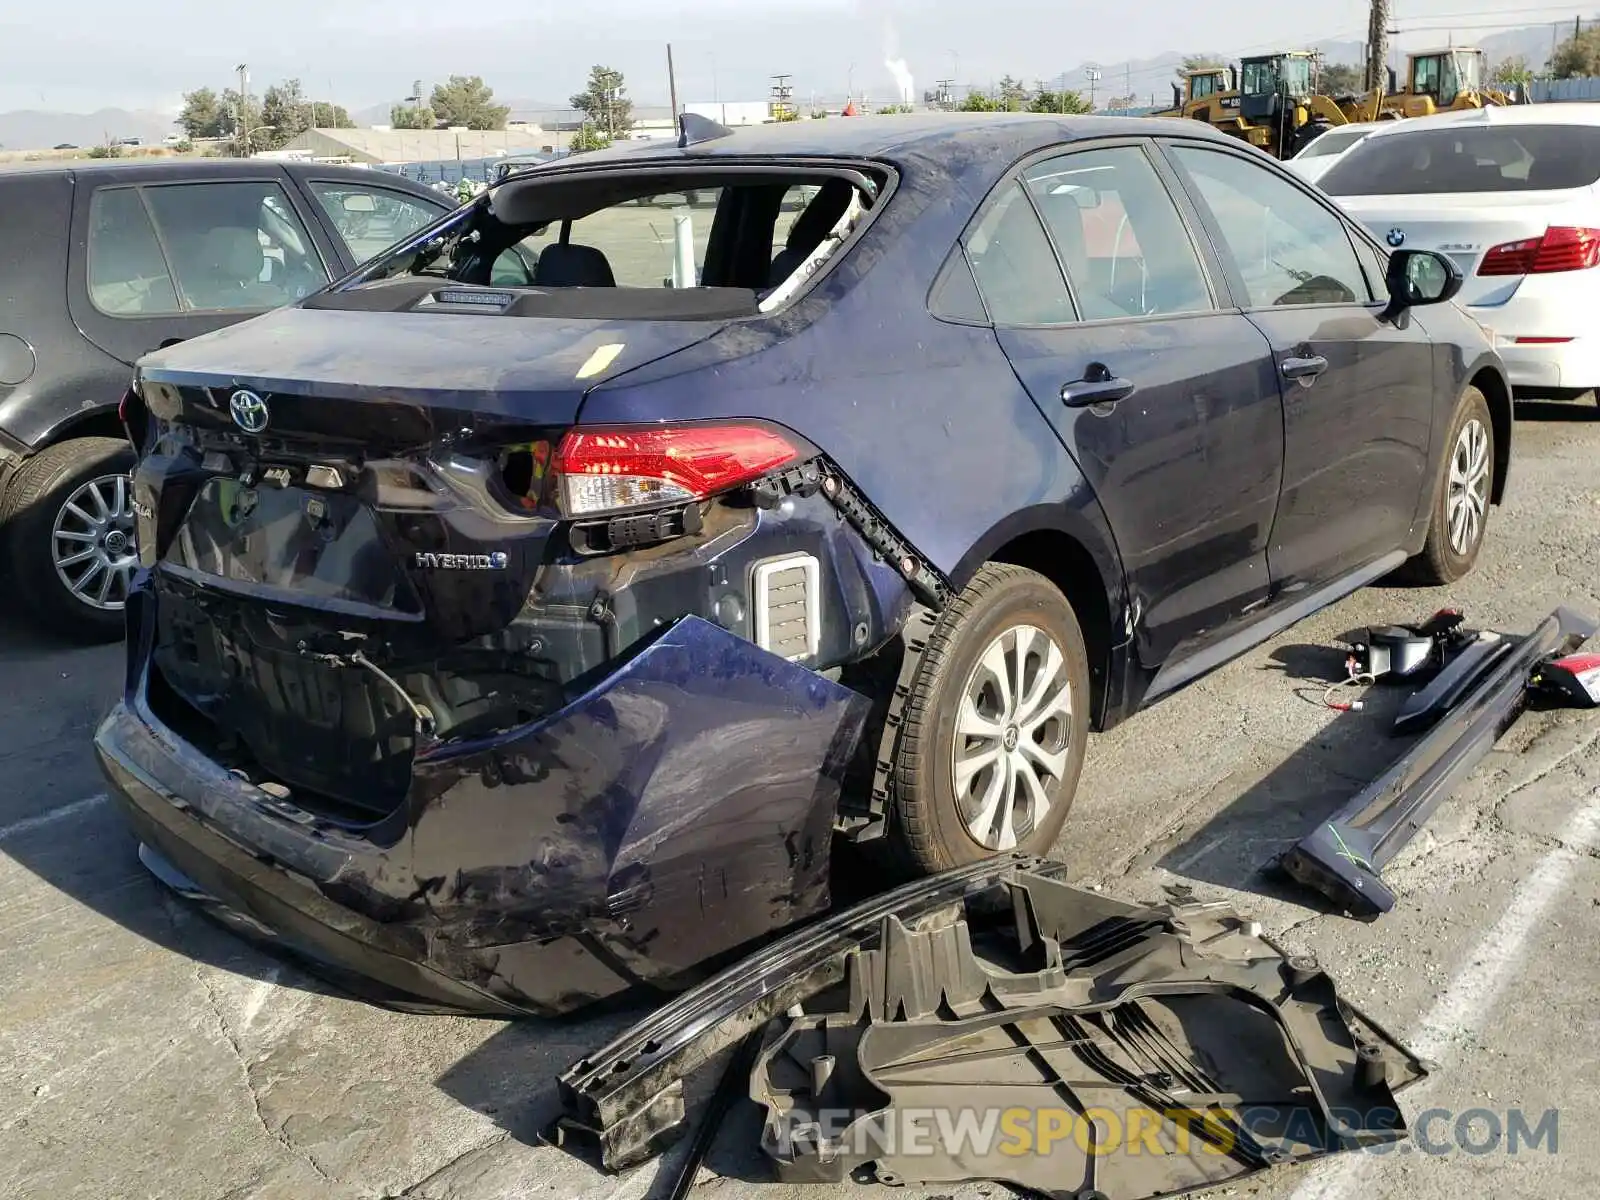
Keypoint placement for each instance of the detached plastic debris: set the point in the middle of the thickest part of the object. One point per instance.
(995, 1023)
(1466, 708)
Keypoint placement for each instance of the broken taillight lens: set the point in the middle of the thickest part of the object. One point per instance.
(612, 470)
(1559, 248)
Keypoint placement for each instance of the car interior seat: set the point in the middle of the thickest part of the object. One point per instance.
(564, 264)
(810, 228)
(222, 269)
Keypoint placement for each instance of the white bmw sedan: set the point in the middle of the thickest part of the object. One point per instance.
(1511, 196)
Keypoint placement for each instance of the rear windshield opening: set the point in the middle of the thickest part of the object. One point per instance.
(653, 244)
(1458, 159)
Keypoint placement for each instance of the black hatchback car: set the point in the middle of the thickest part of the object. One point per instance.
(101, 262)
(521, 618)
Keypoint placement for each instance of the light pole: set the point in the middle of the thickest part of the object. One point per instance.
(243, 119)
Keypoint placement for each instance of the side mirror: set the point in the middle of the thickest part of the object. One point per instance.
(359, 202)
(1418, 277)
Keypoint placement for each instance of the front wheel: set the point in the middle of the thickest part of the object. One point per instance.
(69, 530)
(988, 756)
(1462, 496)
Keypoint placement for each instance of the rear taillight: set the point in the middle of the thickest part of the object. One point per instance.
(1559, 248)
(613, 470)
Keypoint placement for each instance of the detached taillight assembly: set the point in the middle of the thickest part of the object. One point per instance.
(1559, 248)
(605, 471)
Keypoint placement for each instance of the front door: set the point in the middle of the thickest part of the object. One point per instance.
(1357, 390)
(1166, 402)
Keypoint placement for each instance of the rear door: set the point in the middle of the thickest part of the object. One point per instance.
(1358, 391)
(1165, 399)
(157, 261)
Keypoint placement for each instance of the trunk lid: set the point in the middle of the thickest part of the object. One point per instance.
(1464, 227)
(345, 559)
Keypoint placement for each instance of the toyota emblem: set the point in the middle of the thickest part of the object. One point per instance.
(249, 411)
(1397, 238)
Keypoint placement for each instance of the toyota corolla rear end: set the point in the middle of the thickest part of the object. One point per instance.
(1511, 196)
(435, 686)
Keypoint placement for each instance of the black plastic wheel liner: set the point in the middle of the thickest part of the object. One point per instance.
(999, 990)
(1343, 856)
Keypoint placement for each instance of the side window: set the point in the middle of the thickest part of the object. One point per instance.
(955, 293)
(1288, 248)
(127, 274)
(1125, 247)
(370, 220)
(632, 244)
(235, 246)
(1015, 267)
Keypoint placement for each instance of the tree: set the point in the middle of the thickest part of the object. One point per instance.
(406, 116)
(1013, 95)
(1578, 56)
(1512, 71)
(1199, 62)
(604, 101)
(1122, 103)
(286, 108)
(588, 138)
(467, 100)
(1044, 101)
(1340, 79)
(978, 102)
(203, 115)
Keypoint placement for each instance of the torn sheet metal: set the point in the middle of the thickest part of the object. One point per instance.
(1342, 857)
(999, 995)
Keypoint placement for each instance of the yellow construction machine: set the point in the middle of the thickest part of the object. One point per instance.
(1266, 101)
(1272, 101)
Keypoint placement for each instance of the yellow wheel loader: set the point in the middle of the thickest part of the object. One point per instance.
(1267, 101)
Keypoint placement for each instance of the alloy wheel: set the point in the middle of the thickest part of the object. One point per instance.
(1467, 500)
(1012, 737)
(92, 542)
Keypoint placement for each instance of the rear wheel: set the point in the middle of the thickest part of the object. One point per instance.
(1462, 496)
(69, 534)
(988, 757)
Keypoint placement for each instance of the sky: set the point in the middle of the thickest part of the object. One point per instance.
(364, 52)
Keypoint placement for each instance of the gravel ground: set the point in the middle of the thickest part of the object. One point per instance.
(145, 1053)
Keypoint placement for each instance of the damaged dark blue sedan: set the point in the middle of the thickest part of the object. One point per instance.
(525, 618)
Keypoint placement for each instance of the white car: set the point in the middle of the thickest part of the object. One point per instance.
(1313, 162)
(1510, 195)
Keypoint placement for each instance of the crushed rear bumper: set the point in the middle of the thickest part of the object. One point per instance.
(671, 817)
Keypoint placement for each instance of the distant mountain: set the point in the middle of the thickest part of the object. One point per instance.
(30, 129)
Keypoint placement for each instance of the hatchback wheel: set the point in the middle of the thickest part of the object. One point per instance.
(70, 537)
(1462, 496)
(992, 743)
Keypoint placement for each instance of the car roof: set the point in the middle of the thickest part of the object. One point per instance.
(1556, 113)
(899, 136)
(193, 168)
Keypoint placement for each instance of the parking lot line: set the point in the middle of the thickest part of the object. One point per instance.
(1475, 988)
(40, 820)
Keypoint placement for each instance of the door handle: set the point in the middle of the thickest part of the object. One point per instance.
(1306, 368)
(1098, 386)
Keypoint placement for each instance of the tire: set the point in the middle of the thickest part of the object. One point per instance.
(929, 827)
(1466, 476)
(36, 512)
